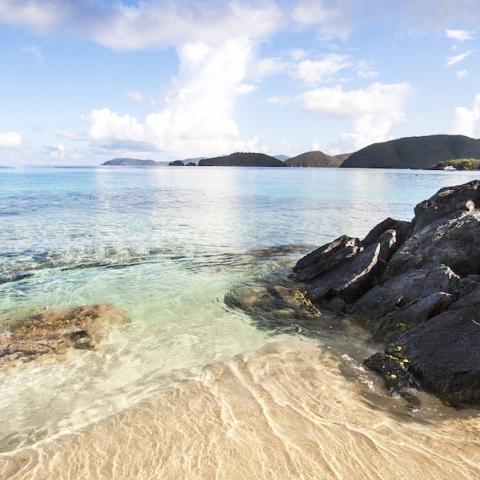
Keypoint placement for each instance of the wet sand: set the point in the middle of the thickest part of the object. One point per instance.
(291, 411)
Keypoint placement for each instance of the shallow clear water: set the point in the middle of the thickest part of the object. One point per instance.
(165, 244)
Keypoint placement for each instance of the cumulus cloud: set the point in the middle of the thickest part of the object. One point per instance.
(314, 72)
(365, 70)
(136, 96)
(453, 60)
(374, 110)
(462, 73)
(11, 140)
(467, 121)
(198, 115)
(310, 71)
(460, 35)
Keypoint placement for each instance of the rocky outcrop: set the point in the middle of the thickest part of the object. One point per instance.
(56, 331)
(176, 163)
(416, 287)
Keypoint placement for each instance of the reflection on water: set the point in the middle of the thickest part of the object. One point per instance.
(167, 245)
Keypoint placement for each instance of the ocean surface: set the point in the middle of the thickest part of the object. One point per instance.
(190, 387)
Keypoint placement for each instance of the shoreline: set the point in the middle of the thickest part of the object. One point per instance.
(287, 409)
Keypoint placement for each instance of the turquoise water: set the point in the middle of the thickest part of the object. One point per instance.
(165, 244)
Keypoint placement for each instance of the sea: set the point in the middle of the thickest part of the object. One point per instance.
(193, 387)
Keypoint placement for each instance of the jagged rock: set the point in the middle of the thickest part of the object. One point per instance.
(401, 228)
(447, 201)
(325, 258)
(394, 370)
(425, 302)
(391, 326)
(352, 279)
(444, 353)
(454, 242)
(56, 331)
(399, 293)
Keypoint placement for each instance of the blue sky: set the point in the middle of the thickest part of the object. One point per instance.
(85, 81)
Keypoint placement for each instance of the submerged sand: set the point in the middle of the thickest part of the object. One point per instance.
(292, 411)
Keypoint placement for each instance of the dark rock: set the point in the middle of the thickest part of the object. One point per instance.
(447, 203)
(327, 257)
(56, 331)
(401, 228)
(444, 353)
(191, 164)
(352, 279)
(336, 305)
(176, 163)
(454, 242)
(401, 291)
(392, 325)
(417, 287)
(394, 370)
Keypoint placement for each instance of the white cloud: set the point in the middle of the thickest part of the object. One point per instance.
(460, 35)
(467, 121)
(198, 115)
(10, 140)
(136, 96)
(35, 51)
(462, 73)
(269, 66)
(458, 58)
(147, 24)
(331, 17)
(374, 110)
(297, 54)
(366, 70)
(314, 72)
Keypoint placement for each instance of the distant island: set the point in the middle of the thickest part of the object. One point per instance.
(414, 152)
(131, 162)
(316, 159)
(242, 159)
(425, 152)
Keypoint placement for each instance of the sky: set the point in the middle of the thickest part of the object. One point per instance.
(84, 81)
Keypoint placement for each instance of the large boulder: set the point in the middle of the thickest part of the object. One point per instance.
(415, 286)
(353, 278)
(454, 242)
(448, 201)
(443, 353)
(401, 293)
(325, 258)
(58, 330)
(401, 228)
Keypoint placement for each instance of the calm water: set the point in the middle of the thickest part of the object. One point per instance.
(166, 244)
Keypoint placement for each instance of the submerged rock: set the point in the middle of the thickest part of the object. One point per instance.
(415, 286)
(58, 330)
